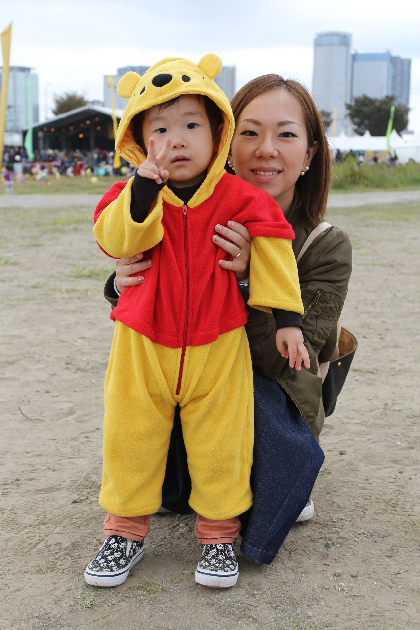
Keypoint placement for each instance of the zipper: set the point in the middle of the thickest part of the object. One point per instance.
(312, 304)
(187, 296)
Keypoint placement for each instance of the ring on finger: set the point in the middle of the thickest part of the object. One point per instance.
(238, 254)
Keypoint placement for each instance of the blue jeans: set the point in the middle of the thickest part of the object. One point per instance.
(287, 460)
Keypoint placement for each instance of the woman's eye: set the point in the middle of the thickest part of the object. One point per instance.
(192, 125)
(248, 132)
(287, 134)
(161, 130)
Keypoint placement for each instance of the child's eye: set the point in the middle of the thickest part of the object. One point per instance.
(161, 130)
(192, 125)
(248, 132)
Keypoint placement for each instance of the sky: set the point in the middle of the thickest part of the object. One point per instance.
(72, 45)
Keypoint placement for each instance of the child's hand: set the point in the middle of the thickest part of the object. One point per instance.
(152, 167)
(289, 343)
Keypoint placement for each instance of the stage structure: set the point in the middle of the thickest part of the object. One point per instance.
(84, 128)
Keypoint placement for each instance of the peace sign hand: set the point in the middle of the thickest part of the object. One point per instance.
(152, 167)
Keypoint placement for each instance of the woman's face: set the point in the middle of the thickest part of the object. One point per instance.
(270, 146)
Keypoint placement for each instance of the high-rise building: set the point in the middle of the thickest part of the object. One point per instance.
(332, 75)
(225, 80)
(379, 74)
(17, 100)
(371, 75)
(401, 79)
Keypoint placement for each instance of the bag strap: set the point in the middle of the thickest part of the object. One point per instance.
(312, 236)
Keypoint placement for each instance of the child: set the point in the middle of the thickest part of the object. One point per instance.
(8, 180)
(180, 338)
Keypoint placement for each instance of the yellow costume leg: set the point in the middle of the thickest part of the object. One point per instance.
(139, 411)
(217, 415)
(217, 418)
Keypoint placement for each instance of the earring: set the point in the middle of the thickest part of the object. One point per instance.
(306, 168)
(230, 163)
(302, 173)
(305, 171)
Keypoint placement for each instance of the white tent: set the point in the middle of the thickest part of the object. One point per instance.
(405, 149)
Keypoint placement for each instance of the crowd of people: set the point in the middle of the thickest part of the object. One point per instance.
(53, 161)
(365, 157)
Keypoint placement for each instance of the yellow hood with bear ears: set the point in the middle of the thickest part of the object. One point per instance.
(164, 81)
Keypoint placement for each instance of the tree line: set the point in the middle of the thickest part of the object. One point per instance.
(366, 114)
(372, 114)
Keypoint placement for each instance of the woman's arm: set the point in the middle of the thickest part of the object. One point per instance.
(233, 238)
(324, 273)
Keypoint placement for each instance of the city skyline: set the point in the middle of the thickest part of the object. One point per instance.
(73, 45)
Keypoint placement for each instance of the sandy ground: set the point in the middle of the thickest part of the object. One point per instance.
(354, 566)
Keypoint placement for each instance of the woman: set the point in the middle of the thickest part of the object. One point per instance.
(280, 146)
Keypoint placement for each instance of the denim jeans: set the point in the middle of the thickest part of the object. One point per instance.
(287, 460)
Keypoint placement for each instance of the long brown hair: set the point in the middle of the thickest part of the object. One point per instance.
(311, 191)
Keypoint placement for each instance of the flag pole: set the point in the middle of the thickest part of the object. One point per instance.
(117, 161)
(28, 144)
(389, 128)
(6, 37)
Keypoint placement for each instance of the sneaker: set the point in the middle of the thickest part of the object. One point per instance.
(112, 564)
(307, 512)
(218, 567)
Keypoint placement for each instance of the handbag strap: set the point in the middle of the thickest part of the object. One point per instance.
(312, 236)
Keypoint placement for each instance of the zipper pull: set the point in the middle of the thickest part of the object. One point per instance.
(184, 210)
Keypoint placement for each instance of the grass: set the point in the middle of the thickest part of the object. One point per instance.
(63, 186)
(85, 270)
(372, 215)
(347, 177)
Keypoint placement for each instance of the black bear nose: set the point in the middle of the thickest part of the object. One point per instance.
(161, 79)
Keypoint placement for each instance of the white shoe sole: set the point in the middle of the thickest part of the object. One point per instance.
(307, 513)
(112, 579)
(217, 579)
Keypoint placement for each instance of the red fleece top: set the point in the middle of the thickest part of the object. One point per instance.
(186, 297)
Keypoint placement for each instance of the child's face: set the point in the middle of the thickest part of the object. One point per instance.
(192, 147)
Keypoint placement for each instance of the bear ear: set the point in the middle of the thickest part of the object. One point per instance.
(211, 64)
(127, 83)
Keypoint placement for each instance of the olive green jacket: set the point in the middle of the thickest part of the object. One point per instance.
(324, 273)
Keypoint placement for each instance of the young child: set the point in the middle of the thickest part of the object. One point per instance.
(8, 179)
(180, 337)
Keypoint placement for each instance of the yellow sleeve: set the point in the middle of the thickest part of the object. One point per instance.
(119, 235)
(274, 280)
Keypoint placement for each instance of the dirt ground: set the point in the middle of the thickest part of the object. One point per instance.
(354, 565)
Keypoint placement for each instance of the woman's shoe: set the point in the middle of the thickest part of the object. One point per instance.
(307, 512)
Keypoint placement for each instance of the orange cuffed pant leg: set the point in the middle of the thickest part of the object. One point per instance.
(209, 532)
(132, 527)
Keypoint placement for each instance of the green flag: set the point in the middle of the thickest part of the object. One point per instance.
(389, 129)
(28, 144)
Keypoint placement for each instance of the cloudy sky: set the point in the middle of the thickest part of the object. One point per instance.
(72, 45)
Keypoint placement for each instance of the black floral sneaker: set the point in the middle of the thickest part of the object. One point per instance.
(218, 567)
(112, 564)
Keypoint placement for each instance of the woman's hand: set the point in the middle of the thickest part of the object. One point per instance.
(289, 343)
(236, 238)
(126, 267)
(239, 239)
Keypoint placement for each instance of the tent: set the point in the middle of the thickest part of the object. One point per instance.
(406, 149)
